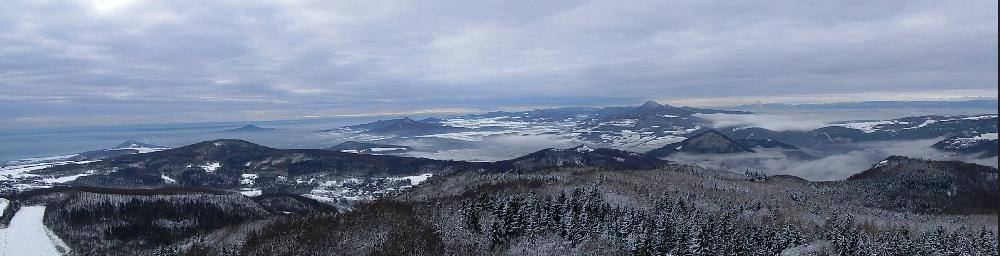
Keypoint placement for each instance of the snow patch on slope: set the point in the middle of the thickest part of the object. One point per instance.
(248, 179)
(64, 179)
(361, 189)
(986, 136)
(167, 179)
(251, 192)
(385, 149)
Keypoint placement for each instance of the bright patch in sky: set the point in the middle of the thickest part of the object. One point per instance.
(110, 6)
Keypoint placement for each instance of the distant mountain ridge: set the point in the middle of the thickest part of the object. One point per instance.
(136, 144)
(907, 128)
(226, 163)
(714, 142)
(250, 128)
(581, 156)
(650, 108)
(399, 127)
(220, 164)
(630, 127)
(650, 117)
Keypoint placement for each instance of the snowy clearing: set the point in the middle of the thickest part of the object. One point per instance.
(385, 149)
(416, 179)
(167, 179)
(251, 193)
(211, 167)
(248, 179)
(64, 179)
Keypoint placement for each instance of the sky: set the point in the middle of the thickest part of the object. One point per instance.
(66, 63)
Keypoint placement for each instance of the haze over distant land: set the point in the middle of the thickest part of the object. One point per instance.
(983, 104)
(126, 62)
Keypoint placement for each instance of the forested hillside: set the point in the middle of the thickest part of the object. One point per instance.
(679, 210)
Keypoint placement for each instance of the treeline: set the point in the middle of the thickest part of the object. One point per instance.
(105, 223)
(7, 214)
(674, 226)
(379, 228)
(237, 157)
(154, 221)
(924, 186)
(850, 238)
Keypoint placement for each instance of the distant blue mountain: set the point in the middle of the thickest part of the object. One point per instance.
(250, 128)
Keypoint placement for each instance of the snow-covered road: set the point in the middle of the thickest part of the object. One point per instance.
(27, 236)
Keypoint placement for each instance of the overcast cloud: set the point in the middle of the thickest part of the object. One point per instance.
(115, 61)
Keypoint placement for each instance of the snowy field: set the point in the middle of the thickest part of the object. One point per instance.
(27, 236)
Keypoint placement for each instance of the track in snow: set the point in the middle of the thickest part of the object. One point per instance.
(27, 236)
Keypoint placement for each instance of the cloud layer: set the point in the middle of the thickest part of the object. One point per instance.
(834, 167)
(141, 61)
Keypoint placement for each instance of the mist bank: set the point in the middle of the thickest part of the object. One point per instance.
(828, 168)
(808, 119)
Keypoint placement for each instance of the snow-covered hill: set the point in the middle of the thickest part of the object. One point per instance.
(984, 144)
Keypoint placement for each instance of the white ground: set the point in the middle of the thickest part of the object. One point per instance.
(251, 193)
(167, 179)
(332, 190)
(211, 167)
(986, 136)
(385, 149)
(248, 179)
(14, 171)
(27, 236)
(416, 179)
(65, 179)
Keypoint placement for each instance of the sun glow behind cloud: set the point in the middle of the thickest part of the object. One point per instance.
(107, 7)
